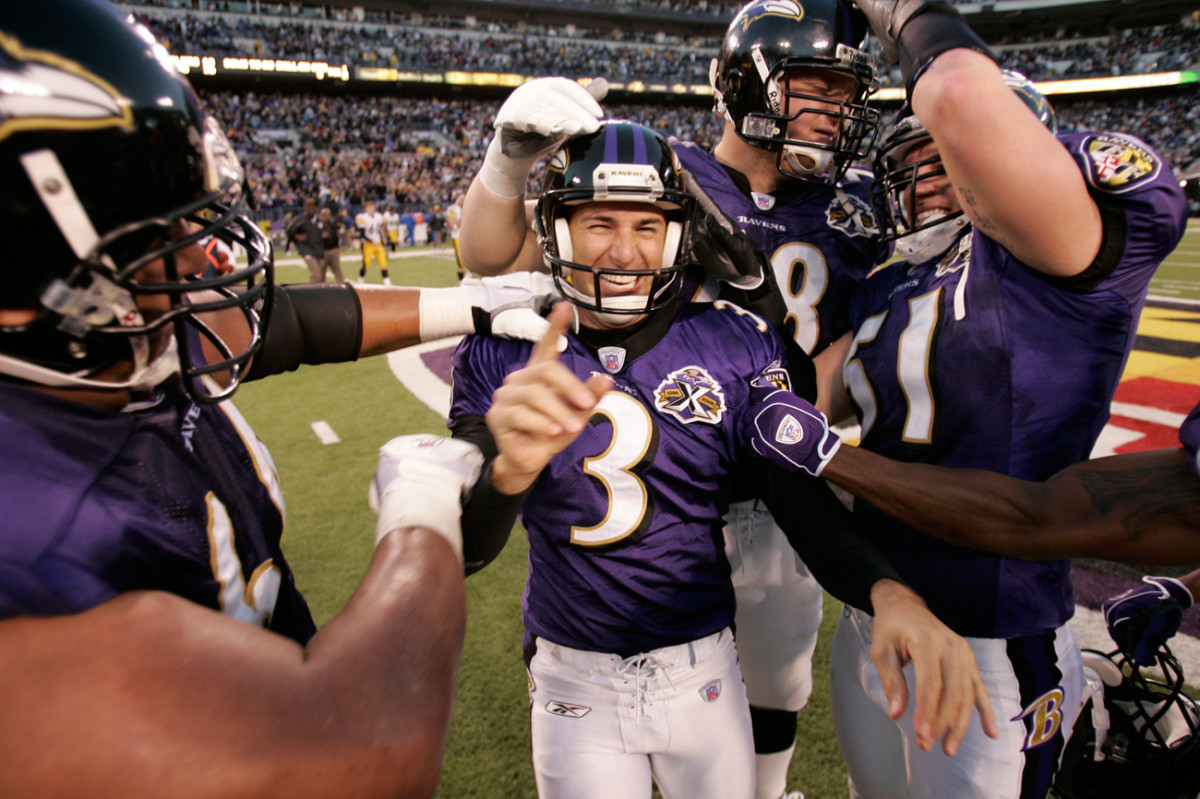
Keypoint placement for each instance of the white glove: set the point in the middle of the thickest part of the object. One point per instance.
(422, 481)
(532, 123)
(509, 306)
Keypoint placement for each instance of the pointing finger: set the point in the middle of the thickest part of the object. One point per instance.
(547, 347)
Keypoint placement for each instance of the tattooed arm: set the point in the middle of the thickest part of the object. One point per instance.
(1141, 507)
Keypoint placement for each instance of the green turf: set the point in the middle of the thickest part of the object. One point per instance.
(1179, 276)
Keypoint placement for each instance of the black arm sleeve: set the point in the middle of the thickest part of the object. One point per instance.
(827, 536)
(1112, 250)
(488, 515)
(801, 369)
(319, 323)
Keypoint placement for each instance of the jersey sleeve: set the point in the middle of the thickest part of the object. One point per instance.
(1143, 208)
(765, 370)
(479, 367)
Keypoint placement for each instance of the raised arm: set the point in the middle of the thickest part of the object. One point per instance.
(496, 235)
(1015, 181)
(1036, 206)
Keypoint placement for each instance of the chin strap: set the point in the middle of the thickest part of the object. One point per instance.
(922, 245)
(146, 375)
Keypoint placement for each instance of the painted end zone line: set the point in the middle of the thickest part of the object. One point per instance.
(413, 374)
(325, 433)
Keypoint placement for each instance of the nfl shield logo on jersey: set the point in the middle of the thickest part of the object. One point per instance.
(764, 202)
(711, 692)
(613, 358)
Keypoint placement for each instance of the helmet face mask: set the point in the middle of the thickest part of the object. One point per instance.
(104, 211)
(621, 163)
(1151, 746)
(764, 47)
(894, 191)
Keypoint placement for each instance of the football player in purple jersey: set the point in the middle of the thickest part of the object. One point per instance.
(790, 81)
(152, 639)
(619, 455)
(997, 344)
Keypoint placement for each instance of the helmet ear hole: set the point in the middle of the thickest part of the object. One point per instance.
(562, 238)
(733, 81)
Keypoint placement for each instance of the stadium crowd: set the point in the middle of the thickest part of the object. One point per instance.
(403, 151)
(412, 152)
(440, 44)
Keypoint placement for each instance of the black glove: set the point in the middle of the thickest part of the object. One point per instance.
(720, 245)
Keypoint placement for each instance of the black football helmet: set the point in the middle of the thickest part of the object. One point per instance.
(620, 162)
(1138, 734)
(894, 190)
(765, 40)
(108, 163)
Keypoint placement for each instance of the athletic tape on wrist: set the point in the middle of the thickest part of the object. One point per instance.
(504, 176)
(444, 312)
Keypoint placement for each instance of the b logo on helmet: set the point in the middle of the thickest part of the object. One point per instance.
(783, 8)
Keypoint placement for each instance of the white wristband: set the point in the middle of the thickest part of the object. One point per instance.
(431, 504)
(420, 481)
(503, 176)
(444, 312)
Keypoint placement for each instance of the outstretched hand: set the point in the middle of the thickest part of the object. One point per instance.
(542, 114)
(540, 409)
(948, 682)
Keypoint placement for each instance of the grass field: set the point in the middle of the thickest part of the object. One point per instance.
(329, 531)
(1179, 276)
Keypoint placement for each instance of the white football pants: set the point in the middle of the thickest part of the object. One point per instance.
(604, 726)
(1035, 685)
(778, 609)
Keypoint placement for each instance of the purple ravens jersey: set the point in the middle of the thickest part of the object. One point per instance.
(821, 241)
(178, 497)
(973, 359)
(1189, 436)
(626, 551)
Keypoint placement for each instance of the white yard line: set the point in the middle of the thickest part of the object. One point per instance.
(325, 433)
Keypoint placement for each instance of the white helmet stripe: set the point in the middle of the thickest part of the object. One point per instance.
(50, 181)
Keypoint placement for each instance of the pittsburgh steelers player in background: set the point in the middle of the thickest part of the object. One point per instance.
(620, 455)
(790, 81)
(997, 344)
(152, 639)
(372, 229)
(391, 223)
